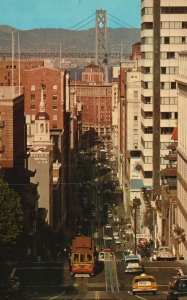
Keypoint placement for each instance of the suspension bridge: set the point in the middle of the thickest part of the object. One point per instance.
(99, 37)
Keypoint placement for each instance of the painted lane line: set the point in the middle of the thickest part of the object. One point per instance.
(137, 296)
(55, 297)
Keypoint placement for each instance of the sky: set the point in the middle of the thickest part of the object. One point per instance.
(68, 14)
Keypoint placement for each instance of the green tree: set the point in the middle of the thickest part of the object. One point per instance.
(11, 214)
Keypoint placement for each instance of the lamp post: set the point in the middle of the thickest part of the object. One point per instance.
(136, 204)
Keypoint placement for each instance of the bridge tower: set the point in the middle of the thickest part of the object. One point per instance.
(101, 40)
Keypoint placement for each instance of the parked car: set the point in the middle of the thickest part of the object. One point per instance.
(143, 284)
(10, 286)
(164, 253)
(177, 288)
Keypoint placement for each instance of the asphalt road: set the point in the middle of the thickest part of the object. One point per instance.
(48, 281)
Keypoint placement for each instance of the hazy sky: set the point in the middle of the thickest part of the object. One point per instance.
(74, 14)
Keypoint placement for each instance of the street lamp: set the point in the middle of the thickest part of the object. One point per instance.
(136, 205)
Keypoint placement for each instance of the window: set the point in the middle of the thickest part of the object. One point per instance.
(173, 10)
(54, 126)
(54, 106)
(148, 174)
(32, 106)
(148, 145)
(184, 25)
(166, 130)
(135, 118)
(147, 100)
(147, 70)
(33, 88)
(147, 41)
(147, 25)
(165, 115)
(148, 115)
(147, 11)
(170, 55)
(55, 87)
(148, 130)
(169, 100)
(148, 159)
(163, 70)
(147, 55)
(173, 85)
(55, 97)
(32, 96)
(44, 96)
(166, 40)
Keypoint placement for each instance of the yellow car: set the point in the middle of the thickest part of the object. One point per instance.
(144, 283)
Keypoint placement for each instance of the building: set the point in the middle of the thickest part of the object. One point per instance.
(40, 161)
(54, 84)
(12, 135)
(163, 36)
(181, 217)
(15, 75)
(129, 130)
(51, 81)
(96, 99)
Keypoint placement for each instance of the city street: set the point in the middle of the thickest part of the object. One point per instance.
(53, 281)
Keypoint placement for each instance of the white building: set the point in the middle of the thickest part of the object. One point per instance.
(40, 161)
(182, 151)
(160, 47)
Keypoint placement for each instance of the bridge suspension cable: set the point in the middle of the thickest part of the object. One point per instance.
(72, 27)
(85, 24)
(116, 20)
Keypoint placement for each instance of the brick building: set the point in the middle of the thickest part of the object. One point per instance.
(52, 83)
(96, 99)
(15, 75)
(12, 134)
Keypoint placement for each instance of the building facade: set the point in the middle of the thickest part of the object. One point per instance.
(40, 161)
(12, 134)
(163, 36)
(15, 75)
(181, 218)
(96, 99)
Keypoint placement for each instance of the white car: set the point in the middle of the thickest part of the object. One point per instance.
(164, 253)
(107, 238)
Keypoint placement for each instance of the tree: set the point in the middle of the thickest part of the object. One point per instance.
(11, 214)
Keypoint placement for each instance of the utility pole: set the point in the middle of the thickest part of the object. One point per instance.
(136, 205)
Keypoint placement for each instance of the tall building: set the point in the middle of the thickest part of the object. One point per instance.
(163, 36)
(40, 161)
(96, 99)
(181, 217)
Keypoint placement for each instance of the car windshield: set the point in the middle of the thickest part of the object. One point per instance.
(164, 249)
